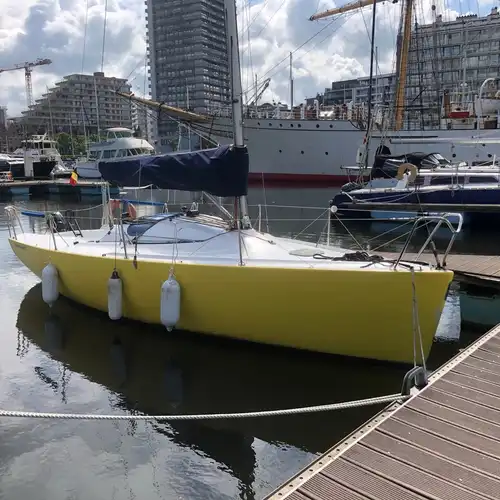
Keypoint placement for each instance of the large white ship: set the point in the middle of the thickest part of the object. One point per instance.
(314, 143)
(318, 150)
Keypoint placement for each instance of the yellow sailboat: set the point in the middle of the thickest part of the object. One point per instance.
(220, 276)
(274, 296)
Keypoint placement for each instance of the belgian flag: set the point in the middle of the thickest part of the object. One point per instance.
(74, 178)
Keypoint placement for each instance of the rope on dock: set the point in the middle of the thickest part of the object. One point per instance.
(391, 398)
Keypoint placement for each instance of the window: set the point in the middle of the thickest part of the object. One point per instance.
(108, 153)
(123, 134)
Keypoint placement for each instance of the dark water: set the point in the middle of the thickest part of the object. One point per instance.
(76, 360)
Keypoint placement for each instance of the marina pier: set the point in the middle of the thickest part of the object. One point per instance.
(443, 443)
(43, 188)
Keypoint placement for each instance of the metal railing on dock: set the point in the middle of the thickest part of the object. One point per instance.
(443, 443)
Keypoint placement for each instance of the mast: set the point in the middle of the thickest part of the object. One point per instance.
(256, 94)
(370, 86)
(236, 94)
(291, 85)
(97, 111)
(403, 64)
(187, 105)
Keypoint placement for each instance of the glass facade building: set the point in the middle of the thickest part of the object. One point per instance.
(188, 60)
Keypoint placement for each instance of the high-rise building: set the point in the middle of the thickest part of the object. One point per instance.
(3, 117)
(143, 121)
(80, 100)
(4, 143)
(456, 56)
(188, 60)
(356, 90)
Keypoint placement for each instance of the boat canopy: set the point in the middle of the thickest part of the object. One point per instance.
(387, 165)
(221, 171)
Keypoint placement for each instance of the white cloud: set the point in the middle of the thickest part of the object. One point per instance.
(324, 51)
(55, 29)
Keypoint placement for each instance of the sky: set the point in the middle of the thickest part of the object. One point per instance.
(323, 51)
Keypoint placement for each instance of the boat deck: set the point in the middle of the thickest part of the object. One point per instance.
(442, 444)
(480, 267)
(49, 182)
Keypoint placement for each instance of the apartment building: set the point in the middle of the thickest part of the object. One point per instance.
(3, 117)
(453, 55)
(356, 90)
(143, 121)
(188, 60)
(79, 102)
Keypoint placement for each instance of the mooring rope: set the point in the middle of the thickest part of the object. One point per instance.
(391, 398)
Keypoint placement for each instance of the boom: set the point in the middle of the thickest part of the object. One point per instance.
(358, 4)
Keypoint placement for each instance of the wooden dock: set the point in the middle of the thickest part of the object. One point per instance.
(478, 268)
(441, 444)
(45, 187)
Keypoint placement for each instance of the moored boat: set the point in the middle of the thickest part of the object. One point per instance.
(119, 144)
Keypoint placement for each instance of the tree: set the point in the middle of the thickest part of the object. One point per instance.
(64, 143)
(79, 145)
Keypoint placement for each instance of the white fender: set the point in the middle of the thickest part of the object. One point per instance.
(50, 284)
(170, 303)
(115, 296)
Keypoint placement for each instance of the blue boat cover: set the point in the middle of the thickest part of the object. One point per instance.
(221, 171)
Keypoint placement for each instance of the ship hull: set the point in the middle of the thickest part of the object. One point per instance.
(315, 151)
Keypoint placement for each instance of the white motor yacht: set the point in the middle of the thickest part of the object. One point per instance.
(120, 144)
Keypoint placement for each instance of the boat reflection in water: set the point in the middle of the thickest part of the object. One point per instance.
(154, 372)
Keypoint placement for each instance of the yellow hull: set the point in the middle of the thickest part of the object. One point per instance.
(359, 313)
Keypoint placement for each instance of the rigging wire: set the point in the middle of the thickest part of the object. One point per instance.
(270, 19)
(242, 32)
(276, 67)
(104, 34)
(85, 33)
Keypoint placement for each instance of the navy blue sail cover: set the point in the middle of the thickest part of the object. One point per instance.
(221, 171)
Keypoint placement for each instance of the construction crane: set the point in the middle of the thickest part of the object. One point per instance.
(358, 4)
(28, 68)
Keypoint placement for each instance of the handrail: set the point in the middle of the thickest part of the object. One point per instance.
(12, 214)
(440, 220)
